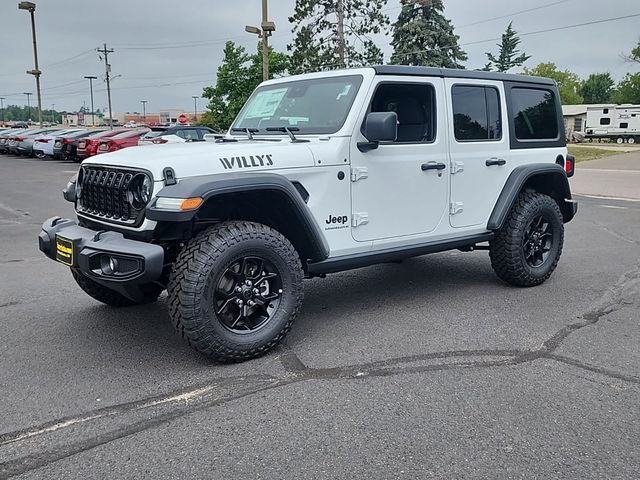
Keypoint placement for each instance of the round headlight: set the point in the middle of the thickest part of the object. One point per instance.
(79, 180)
(140, 191)
(145, 190)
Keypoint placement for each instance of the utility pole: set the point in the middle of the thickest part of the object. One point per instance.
(144, 110)
(266, 30)
(31, 8)
(53, 113)
(340, 29)
(195, 108)
(93, 113)
(107, 67)
(2, 110)
(28, 94)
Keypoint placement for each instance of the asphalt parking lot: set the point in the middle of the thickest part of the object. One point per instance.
(427, 369)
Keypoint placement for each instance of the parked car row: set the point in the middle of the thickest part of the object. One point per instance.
(76, 144)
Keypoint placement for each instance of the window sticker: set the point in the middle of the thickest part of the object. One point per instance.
(345, 91)
(265, 103)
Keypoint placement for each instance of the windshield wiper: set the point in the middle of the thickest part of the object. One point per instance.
(248, 131)
(289, 131)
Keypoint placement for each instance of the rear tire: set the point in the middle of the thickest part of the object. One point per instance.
(112, 298)
(526, 250)
(235, 290)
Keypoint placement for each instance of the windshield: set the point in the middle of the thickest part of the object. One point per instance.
(318, 106)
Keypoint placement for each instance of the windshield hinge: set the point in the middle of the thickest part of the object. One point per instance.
(359, 172)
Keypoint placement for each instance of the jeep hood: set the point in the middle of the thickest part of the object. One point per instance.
(206, 158)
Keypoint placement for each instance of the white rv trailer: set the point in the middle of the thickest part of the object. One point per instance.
(614, 122)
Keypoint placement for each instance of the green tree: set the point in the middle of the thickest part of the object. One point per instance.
(422, 35)
(331, 34)
(509, 55)
(568, 82)
(628, 90)
(634, 56)
(597, 88)
(238, 75)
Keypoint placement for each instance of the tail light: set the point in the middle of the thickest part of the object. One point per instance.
(19, 139)
(67, 141)
(159, 140)
(42, 140)
(570, 165)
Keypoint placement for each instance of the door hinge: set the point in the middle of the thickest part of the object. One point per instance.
(358, 219)
(359, 172)
(455, 207)
(457, 167)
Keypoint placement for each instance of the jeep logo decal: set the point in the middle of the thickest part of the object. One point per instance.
(246, 162)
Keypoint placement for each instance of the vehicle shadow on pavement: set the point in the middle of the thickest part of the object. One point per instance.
(144, 332)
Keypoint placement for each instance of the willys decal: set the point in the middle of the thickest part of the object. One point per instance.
(251, 161)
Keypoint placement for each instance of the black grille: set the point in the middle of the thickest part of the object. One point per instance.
(104, 194)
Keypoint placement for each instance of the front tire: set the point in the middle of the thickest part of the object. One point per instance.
(235, 290)
(526, 250)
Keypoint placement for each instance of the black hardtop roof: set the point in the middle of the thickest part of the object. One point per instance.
(412, 71)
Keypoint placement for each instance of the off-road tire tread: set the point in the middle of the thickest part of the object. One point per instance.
(188, 280)
(505, 248)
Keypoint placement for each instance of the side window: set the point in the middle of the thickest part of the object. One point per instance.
(577, 124)
(605, 121)
(624, 125)
(534, 114)
(181, 134)
(191, 134)
(476, 113)
(415, 106)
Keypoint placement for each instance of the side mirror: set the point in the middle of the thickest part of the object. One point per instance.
(379, 127)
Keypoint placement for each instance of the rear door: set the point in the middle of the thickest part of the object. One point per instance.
(479, 148)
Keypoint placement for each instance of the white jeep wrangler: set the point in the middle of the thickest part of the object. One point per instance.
(321, 173)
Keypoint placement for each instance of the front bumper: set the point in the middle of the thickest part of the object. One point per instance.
(95, 253)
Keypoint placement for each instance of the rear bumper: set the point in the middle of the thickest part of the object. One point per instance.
(570, 211)
(136, 262)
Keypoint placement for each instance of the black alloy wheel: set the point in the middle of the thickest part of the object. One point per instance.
(247, 294)
(537, 241)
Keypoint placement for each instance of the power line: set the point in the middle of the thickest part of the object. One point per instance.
(536, 32)
(513, 14)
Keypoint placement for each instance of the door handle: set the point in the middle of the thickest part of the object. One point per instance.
(495, 161)
(433, 166)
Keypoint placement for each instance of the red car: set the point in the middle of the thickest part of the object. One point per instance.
(122, 140)
(88, 147)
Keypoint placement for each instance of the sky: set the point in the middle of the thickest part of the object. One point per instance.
(166, 52)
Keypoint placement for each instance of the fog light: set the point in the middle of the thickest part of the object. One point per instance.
(109, 265)
(113, 264)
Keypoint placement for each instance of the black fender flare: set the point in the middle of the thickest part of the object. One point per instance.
(209, 186)
(549, 178)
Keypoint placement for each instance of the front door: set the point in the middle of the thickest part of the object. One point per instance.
(401, 188)
(480, 162)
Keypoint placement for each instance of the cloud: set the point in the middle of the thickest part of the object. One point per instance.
(69, 31)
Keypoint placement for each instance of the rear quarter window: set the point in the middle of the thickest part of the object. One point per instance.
(534, 114)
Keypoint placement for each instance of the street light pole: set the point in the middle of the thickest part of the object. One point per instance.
(266, 30)
(144, 110)
(53, 113)
(2, 110)
(195, 108)
(31, 8)
(28, 94)
(93, 112)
